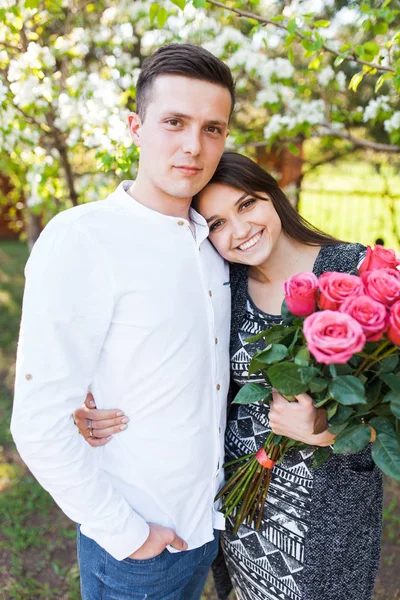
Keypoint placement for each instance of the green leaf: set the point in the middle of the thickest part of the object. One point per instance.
(286, 378)
(275, 353)
(331, 410)
(393, 381)
(271, 335)
(371, 48)
(333, 371)
(291, 54)
(321, 23)
(302, 358)
(199, 3)
(373, 395)
(308, 373)
(352, 440)
(383, 410)
(335, 429)
(386, 454)
(277, 19)
(391, 397)
(343, 370)
(153, 11)
(32, 3)
(255, 366)
(315, 64)
(339, 59)
(291, 26)
(320, 456)
(252, 392)
(293, 149)
(355, 81)
(179, 3)
(348, 390)
(380, 28)
(382, 425)
(395, 405)
(162, 16)
(318, 384)
(389, 363)
(342, 415)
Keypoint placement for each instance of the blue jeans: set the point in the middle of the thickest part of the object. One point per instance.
(178, 576)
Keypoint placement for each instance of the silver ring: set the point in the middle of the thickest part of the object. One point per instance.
(89, 424)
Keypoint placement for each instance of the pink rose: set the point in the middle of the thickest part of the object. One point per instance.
(335, 288)
(333, 337)
(394, 324)
(378, 258)
(301, 294)
(382, 285)
(371, 315)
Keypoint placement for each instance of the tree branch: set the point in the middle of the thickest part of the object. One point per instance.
(264, 21)
(358, 142)
(63, 152)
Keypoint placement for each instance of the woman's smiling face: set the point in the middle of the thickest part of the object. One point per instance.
(243, 229)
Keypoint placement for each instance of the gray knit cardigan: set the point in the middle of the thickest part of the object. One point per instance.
(342, 545)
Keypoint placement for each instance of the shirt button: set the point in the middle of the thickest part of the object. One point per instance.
(216, 340)
(210, 293)
(28, 376)
(181, 222)
(218, 386)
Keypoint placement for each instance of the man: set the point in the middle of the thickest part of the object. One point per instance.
(125, 298)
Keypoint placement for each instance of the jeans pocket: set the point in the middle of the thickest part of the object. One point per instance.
(146, 561)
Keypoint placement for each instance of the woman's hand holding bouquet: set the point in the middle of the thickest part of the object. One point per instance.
(338, 343)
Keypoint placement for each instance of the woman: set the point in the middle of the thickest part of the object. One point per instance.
(320, 534)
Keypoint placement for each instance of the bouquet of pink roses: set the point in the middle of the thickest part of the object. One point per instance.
(339, 342)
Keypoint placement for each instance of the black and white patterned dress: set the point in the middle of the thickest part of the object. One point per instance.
(266, 564)
(320, 536)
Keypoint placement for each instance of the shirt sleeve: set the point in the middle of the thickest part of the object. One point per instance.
(67, 309)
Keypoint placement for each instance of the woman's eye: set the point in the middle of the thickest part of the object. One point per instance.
(215, 225)
(247, 203)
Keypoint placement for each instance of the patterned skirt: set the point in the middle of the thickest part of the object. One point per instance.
(267, 564)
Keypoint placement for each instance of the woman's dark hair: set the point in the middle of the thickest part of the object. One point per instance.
(244, 174)
(187, 60)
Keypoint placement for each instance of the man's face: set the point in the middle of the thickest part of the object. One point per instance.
(183, 135)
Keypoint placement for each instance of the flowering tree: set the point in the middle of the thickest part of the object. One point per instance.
(68, 70)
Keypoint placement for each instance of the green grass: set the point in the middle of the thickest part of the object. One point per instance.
(37, 542)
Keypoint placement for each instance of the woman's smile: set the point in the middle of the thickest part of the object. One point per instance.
(251, 243)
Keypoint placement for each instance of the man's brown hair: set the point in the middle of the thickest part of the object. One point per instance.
(186, 60)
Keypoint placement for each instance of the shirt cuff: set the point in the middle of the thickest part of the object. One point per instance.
(121, 545)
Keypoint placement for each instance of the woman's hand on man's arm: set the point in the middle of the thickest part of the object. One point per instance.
(98, 426)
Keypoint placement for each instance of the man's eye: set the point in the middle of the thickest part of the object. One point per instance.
(213, 129)
(173, 122)
(215, 225)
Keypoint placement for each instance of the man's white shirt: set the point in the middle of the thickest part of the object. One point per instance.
(129, 304)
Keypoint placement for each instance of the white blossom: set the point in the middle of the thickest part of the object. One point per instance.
(374, 106)
(3, 92)
(266, 96)
(325, 76)
(298, 112)
(341, 81)
(393, 124)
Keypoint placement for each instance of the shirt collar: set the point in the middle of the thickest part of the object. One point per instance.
(122, 198)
